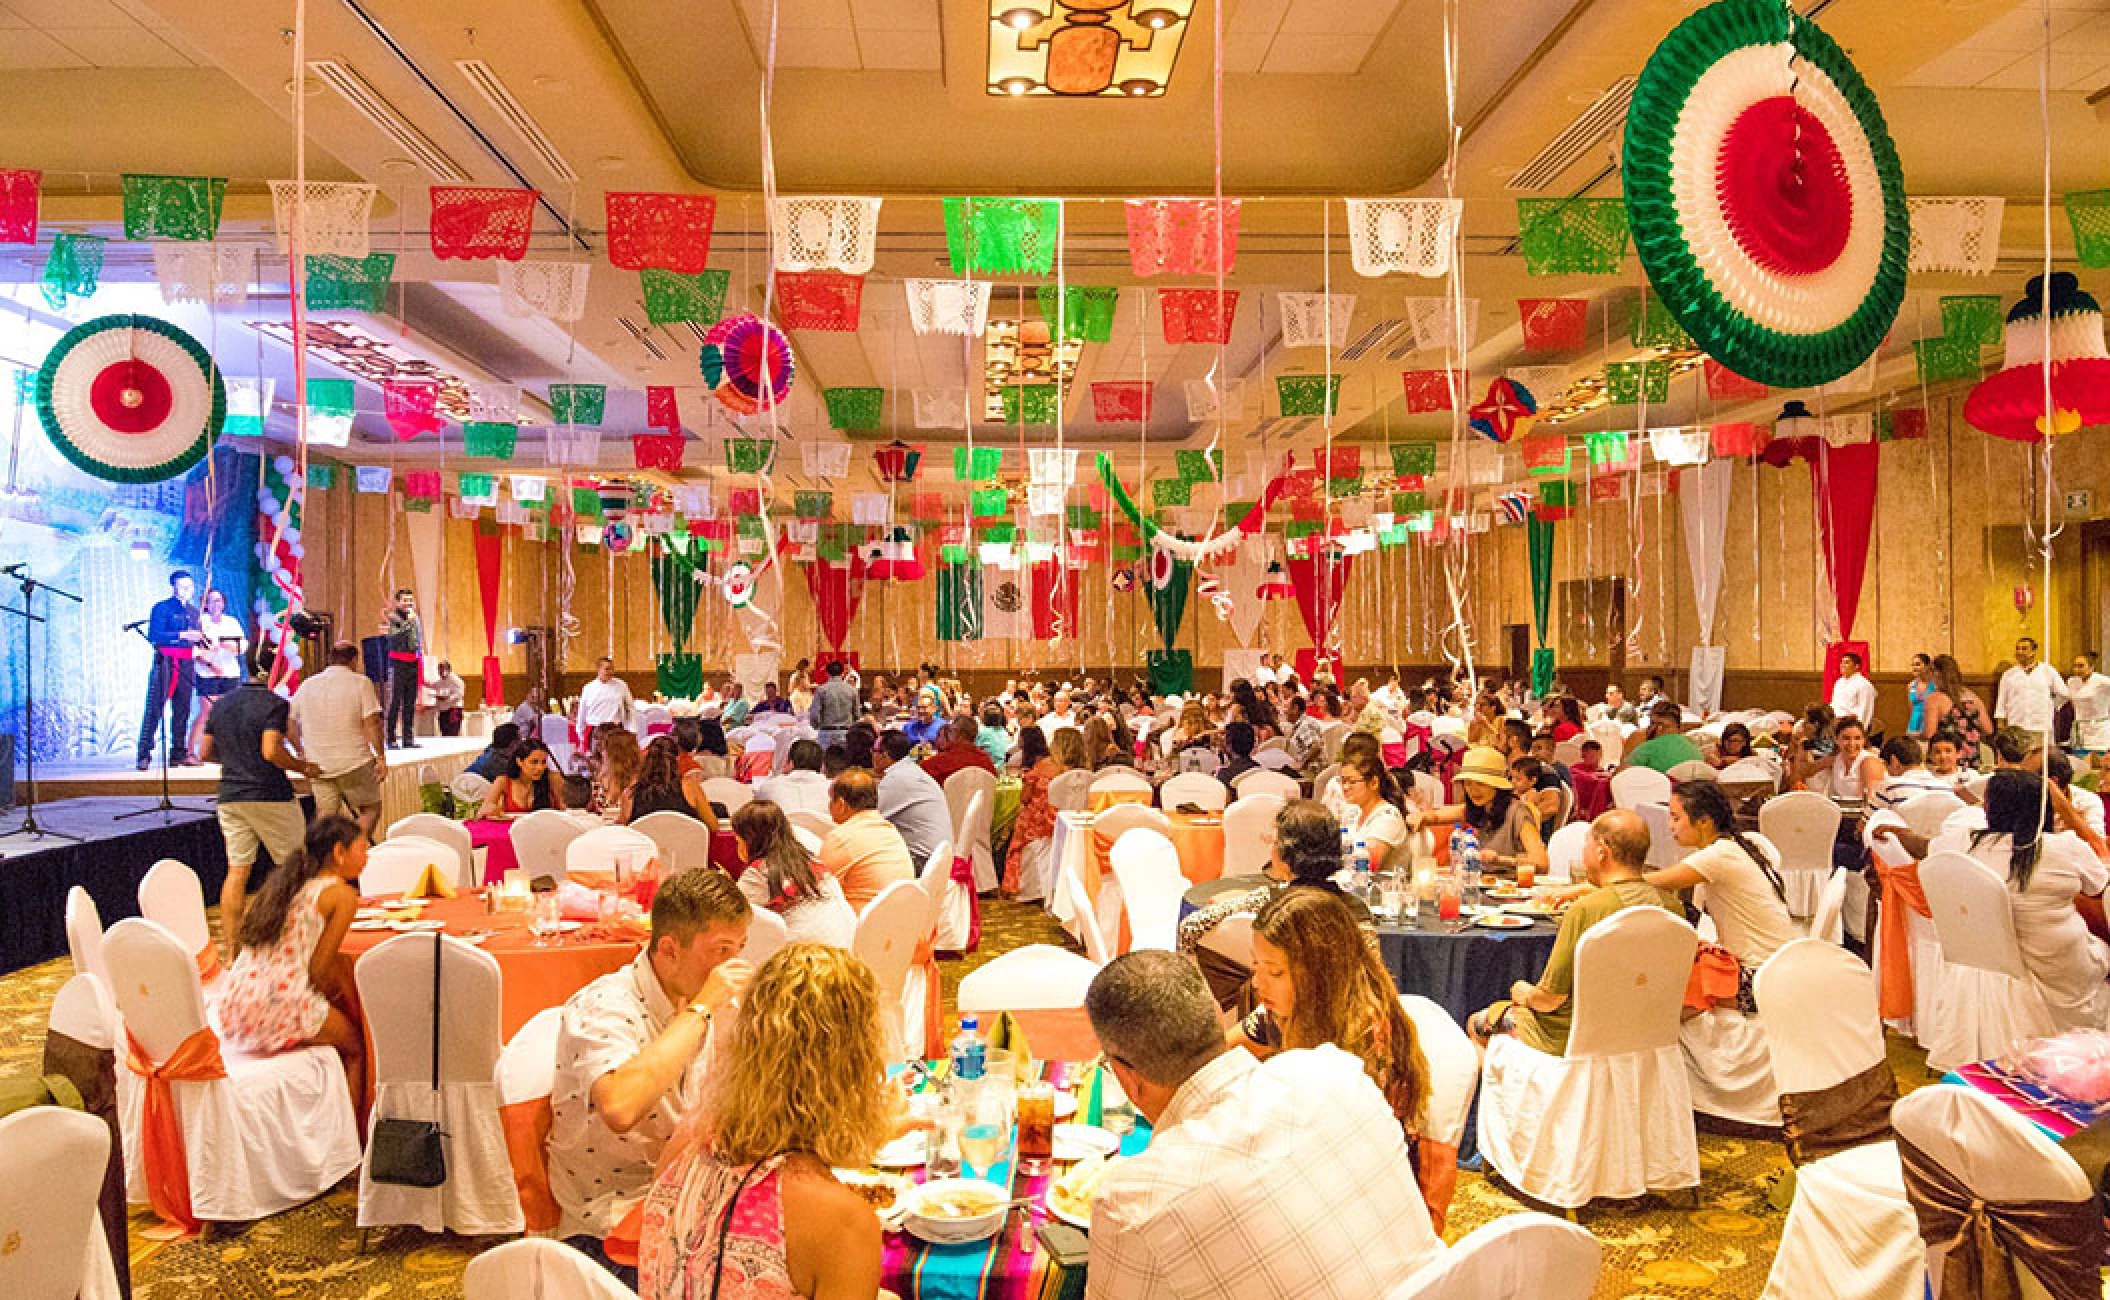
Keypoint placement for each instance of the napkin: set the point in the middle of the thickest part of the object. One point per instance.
(432, 883)
(575, 902)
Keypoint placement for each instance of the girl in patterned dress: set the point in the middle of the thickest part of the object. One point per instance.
(280, 993)
(744, 1207)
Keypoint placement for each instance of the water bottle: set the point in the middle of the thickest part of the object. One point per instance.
(1465, 858)
(969, 1054)
(1365, 888)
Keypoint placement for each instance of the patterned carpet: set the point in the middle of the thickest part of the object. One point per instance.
(1653, 1250)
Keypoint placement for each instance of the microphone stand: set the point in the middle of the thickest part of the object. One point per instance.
(166, 806)
(29, 587)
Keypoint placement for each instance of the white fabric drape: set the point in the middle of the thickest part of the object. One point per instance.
(1704, 506)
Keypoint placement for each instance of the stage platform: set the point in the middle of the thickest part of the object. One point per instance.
(108, 861)
(442, 756)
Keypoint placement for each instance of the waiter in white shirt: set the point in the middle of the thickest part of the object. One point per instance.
(2089, 690)
(1853, 695)
(604, 699)
(2030, 692)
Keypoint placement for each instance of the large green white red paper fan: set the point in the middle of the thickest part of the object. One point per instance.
(130, 398)
(1764, 194)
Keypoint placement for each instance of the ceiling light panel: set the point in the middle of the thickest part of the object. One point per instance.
(1122, 49)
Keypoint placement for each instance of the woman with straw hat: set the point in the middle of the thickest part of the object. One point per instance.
(1508, 826)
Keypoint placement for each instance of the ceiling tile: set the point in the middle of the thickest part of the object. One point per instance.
(74, 14)
(797, 15)
(901, 51)
(1305, 53)
(1246, 51)
(2021, 30)
(23, 50)
(129, 48)
(1337, 17)
(808, 48)
(10, 19)
(2066, 66)
(1959, 67)
(1255, 16)
(2091, 35)
(2089, 79)
(895, 15)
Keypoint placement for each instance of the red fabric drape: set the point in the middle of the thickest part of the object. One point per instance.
(1844, 482)
(1054, 596)
(837, 589)
(490, 562)
(1318, 582)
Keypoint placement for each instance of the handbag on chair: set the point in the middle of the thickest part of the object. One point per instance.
(413, 1152)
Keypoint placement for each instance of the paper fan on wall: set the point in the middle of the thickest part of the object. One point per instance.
(747, 362)
(1764, 194)
(130, 398)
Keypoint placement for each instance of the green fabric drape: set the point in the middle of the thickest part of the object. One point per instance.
(674, 581)
(1168, 603)
(1538, 536)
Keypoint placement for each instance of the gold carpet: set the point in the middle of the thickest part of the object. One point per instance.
(1652, 1250)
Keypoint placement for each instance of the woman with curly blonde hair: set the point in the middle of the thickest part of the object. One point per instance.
(743, 1206)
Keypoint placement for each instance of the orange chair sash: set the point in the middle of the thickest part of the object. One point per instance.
(1713, 979)
(526, 1125)
(1901, 890)
(926, 957)
(195, 1060)
(208, 962)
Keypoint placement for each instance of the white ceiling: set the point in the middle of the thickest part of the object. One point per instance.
(47, 34)
(2005, 54)
(1301, 37)
(864, 35)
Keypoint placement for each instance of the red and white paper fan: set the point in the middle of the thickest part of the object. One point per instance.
(130, 398)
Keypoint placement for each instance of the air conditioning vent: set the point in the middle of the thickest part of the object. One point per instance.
(642, 334)
(357, 91)
(500, 98)
(1370, 338)
(1578, 139)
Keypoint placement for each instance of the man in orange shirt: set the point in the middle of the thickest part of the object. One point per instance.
(864, 852)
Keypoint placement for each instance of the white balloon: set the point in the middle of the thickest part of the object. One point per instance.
(283, 465)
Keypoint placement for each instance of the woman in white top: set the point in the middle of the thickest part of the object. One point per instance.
(218, 660)
(780, 877)
(2047, 875)
(1368, 792)
(1742, 874)
(1855, 772)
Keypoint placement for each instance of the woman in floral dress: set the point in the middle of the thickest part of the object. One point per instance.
(1036, 817)
(281, 992)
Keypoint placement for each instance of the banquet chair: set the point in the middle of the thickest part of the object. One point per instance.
(1107, 829)
(51, 1173)
(171, 896)
(253, 1135)
(1925, 813)
(727, 793)
(893, 931)
(1089, 932)
(1622, 1075)
(84, 934)
(1747, 776)
(1663, 850)
(540, 840)
(468, 788)
(1802, 824)
(1198, 788)
(1262, 781)
(971, 828)
(447, 831)
(1975, 787)
(81, 1042)
(821, 824)
(1692, 769)
(526, 1075)
(1119, 779)
(1564, 851)
(766, 932)
(604, 847)
(1568, 752)
(537, 1268)
(1326, 777)
(808, 841)
(1454, 1076)
(1524, 1256)
(1148, 870)
(398, 865)
(1249, 833)
(1635, 786)
(1041, 987)
(396, 992)
(952, 903)
(1330, 738)
(1921, 945)
(1987, 1003)
(1428, 790)
(1070, 791)
(1275, 757)
(1997, 1162)
(681, 842)
(758, 757)
(1231, 939)
(1828, 922)
(650, 720)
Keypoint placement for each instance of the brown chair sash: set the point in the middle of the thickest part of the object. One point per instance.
(2090, 1149)
(2059, 1242)
(1853, 1112)
(93, 1070)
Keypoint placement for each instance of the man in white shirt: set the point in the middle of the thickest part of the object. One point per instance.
(633, 1053)
(1908, 777)
(2089, 692)
(1060, 719)
(335, 723)
(605, 699)
(802, 788)
(1853, 695)
(1288, 1178)
(2030, 692)
(448, 693)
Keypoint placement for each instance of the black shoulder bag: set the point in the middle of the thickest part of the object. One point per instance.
(413, 1152)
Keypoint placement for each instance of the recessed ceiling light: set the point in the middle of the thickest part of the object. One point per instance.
(397, 166)
(308, 85)
(1015, 85)
(1019, 19)
(611, 162)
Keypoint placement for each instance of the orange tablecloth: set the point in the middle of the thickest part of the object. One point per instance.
(1099, 801)
(1198, 839)
(535, 979)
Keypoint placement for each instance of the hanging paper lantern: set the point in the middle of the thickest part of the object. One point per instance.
(616, 537)
(1163, 569)
(2010, 402)
(747, 362)
(1507, 408)
(1797, 434)
(130, 398)
(1277, 586)
(897, 462)
(1764, 194)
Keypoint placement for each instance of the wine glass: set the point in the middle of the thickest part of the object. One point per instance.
(545, 920)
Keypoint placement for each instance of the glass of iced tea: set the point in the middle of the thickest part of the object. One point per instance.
(1036, 1125)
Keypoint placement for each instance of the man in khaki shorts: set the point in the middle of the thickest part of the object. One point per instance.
(336, 721)
(246, 736)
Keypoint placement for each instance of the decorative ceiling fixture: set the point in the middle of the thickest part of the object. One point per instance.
(1023, 352)
(1120, 48)
(376, 360)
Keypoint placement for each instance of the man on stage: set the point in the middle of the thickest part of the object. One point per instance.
(172, 626)
(406, 645)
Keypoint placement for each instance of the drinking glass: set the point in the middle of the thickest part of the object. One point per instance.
(1036, 1126)
(1393, 895)
(941, 1142)
(545, 918)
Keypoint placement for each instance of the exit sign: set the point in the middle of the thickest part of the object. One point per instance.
(2080, 501)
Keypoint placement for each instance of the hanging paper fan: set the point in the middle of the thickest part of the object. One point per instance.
(1124, 579)
(747, 363)
(130, 398)
(1764, 194)
(1507, 408)
(1163, 568)
(616, 537)
(738, 584)
(2010, 402)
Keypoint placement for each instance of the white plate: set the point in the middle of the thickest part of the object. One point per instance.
(370, 923)
(1540, 910)
(416, 927)
(1080, 1141)
(904, 1152)
(1065, 1105)
(1054, 1205)
(1502, 921)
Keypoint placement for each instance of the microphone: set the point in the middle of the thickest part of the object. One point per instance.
(13, 570)
(134, 627)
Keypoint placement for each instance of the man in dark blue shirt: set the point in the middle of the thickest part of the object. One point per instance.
(172, 626)
(491, 764)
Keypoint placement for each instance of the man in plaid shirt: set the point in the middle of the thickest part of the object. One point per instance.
(1283, 1178)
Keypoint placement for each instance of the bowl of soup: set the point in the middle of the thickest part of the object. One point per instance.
(947, 1210)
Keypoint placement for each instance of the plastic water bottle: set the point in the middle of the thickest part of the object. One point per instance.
(1465, 862)
(1365, 887)
(970, 1055)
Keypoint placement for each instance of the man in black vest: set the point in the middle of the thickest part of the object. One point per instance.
(172, 626)
(406, 642)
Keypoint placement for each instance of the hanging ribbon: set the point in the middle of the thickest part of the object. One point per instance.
(162, 1151)
(1318, 582)
(1704, 508)
(837, 589)
(1184, 548)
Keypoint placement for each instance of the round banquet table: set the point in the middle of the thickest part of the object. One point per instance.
(495, 837)
(1198, 839)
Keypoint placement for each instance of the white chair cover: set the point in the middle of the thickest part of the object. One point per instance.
(1249, 833)
(1564, 851)
(1802, 825)
(1070, 792)
(683, 843)
(971, 828)
(1622, 1078)
(1850, 1231)
(1274, 757)
(171, 896)
(469, 788)
(1922, 942)
(395, 990)
(889, 931)
(1517, 1257)
(1634, 786)
(1729, 1068)
(805, 819)
(447, 831)
(539, 841)
(1829, 921)
(601, 848)
(1197, 788)
(766, 932)
(1042, 988)
(51, 1178)
(1454, 1066)
(536, 1268)
(276, 1132)
(1148, 870)
(1692, 769)
(649, 715)
(1262, 781)
(396, 865)
(1925, 813)
(1231, 939)
(1428, 790)
(1818, 1004)
(726, 792)
(1663, 850)
(1987, 1002)
(1070, 879)
(1750, 771)
(1120, 778)
(84, 934)
(952, 903)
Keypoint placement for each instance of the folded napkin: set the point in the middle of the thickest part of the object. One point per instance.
(431, 883)
(575, 902)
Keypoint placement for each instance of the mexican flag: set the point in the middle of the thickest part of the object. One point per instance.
(959, 602)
